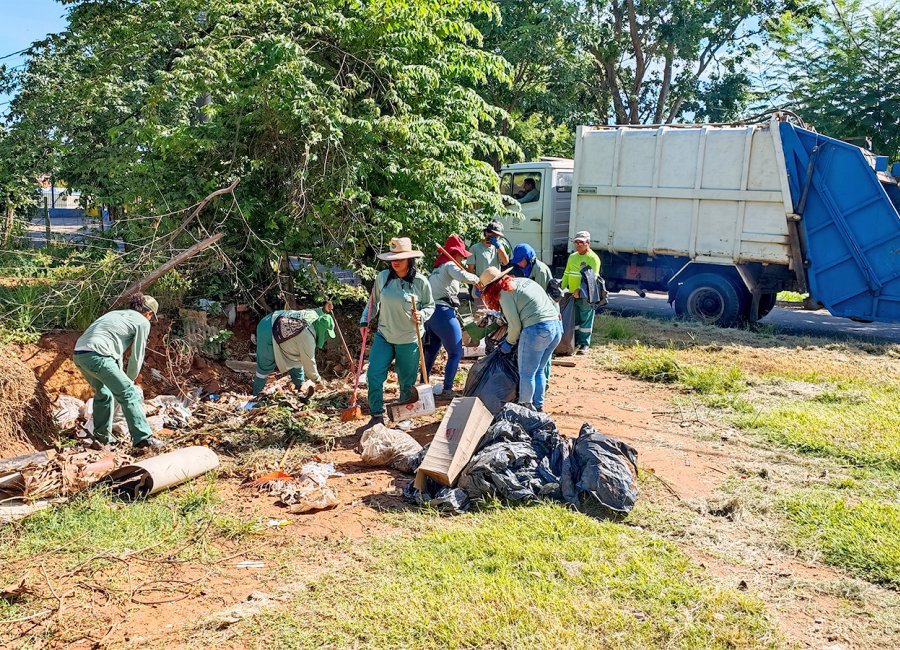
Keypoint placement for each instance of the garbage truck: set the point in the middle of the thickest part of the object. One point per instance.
(721, 217)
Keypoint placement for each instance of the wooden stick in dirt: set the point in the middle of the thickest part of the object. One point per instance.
(337, 325)
(168, 266)
(419, 339)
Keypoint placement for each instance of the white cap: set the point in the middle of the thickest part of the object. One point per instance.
(583, 235)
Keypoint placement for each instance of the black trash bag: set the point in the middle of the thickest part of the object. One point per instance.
(606, 471)
(566, 345)
(495, 379)
(522, 457)
(409, 464)
(435, 495)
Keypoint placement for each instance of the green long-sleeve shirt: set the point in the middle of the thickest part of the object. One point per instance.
(540, 273)
(393, 301)
(113, 333)
(527, 305)
(572, 275)
(445, 282)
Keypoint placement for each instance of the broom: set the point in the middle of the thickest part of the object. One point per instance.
(353, 412)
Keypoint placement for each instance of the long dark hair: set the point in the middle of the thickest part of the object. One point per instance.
(410, 274)
(136, 302)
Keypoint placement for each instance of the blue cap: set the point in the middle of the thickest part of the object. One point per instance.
(522, 252)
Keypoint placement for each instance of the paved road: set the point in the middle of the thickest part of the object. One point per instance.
(786, 321)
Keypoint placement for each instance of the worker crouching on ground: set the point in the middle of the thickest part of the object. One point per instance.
(584, 311)
(286, 341)
(99, 354)
(533, 323)
(396, 338)
(443, 327)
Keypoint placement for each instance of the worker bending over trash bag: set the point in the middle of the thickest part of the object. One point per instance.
(533, 324)
(396, 339)
(443, 327)
(526, 265)
(286, 341)
(99, 354)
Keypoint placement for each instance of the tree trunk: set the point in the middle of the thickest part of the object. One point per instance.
(9, 220)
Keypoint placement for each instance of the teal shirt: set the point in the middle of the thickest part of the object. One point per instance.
(540, 273)
(113, 333)
(483, 257)
(572, 275)
(392, 302)
(445, 281)
(527, 305)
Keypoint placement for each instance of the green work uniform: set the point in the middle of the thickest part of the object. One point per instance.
(526, 305)
(484, 256)
(395, 339)
(540, 274)
(446, 282)
(297, 355)
(584, 312)
(98, 355)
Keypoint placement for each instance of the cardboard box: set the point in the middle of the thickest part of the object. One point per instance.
(423, 406)
(473, 352)
(464, 425)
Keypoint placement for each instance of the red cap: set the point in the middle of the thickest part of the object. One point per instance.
(456, 246)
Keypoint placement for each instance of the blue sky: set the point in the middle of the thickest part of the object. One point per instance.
(25, 21)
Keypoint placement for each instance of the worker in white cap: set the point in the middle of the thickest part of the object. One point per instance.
(99, 355)
(584, 311)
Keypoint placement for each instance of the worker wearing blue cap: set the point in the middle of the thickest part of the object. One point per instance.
(527, 265)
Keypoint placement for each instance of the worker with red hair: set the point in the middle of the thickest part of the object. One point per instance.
(533, 323)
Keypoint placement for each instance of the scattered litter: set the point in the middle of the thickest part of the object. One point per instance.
(249, 405)
(273, 523)
(156, 375)
(251, 564)
(305, 493)
(51, 474)
(405, 425)
(383, 446)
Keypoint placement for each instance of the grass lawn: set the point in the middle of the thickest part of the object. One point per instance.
(536, 577)
(840, 402)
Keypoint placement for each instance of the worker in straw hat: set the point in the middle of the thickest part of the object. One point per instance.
(99, 354)
(584, 311)
(396, 340)
(533, 323)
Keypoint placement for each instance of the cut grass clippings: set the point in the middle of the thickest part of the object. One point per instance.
(536, 577)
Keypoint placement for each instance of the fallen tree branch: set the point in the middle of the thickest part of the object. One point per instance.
(184, 224)
(168, 266)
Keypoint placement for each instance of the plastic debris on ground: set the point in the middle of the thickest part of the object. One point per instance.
(495, 379)
(305, 493)
(523, 457)
(381, 446)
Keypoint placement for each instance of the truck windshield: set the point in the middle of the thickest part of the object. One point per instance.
(525, 187)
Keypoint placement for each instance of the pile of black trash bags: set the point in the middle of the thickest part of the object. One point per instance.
(523, 457)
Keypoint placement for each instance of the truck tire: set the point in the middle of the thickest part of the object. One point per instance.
(710, 299)
(767, 304)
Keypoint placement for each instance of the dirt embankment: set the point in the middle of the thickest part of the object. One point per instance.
(26, 421)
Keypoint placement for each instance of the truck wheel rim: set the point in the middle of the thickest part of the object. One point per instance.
(706, 304)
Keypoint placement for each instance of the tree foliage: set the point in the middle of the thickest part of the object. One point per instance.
(348, 122)
(656, 59)
(843, 74)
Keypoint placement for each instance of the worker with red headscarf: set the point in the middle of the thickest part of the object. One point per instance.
(443, 327)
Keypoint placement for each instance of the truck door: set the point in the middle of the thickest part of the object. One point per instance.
(525, 225)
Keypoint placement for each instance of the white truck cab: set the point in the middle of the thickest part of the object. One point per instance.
(540, 194)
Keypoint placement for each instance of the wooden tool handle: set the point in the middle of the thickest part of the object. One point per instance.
(452, 259)
(419, 340)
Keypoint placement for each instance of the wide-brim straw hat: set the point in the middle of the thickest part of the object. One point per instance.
(401, 248)
(492, 274)
(152, 304)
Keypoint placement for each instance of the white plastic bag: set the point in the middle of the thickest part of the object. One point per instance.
(383, 446)
(66, 411)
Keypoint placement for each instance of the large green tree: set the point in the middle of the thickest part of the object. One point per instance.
(654, 60)
(347, 121)
(843, 74)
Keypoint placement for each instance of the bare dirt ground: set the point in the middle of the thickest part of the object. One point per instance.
(685, 458)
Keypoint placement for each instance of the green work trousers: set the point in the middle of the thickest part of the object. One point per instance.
(584, 322)
(265, 358)
(406, 358)
(113, 385)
